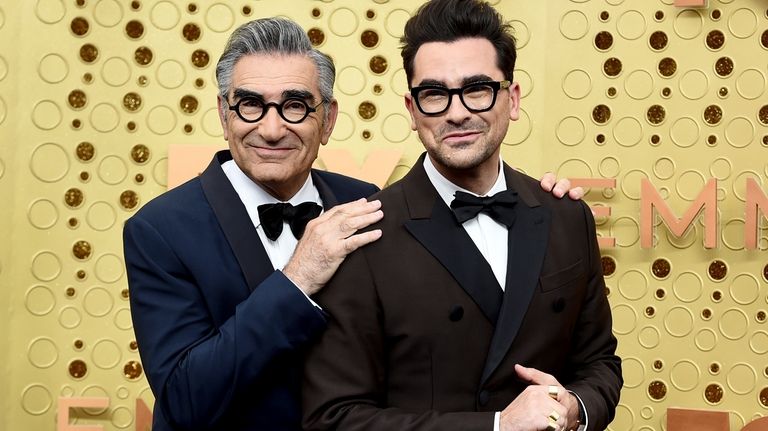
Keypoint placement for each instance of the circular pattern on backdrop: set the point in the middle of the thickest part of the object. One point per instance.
(39, 300)
(518, 132)
(164, 15)
(399, 83)
(344, 128)
(684, 132)
(626, 230)
(160, 171)
(112, 170)
(740, 132)
(95, 391)
(122, 417)
(631, 25)
(678, 322)
(628, 132)
(108, 13)
(689, 184)
(733, 324)
(685, 375)
(577, 84)
(2, 118)
(70, 317)
(36, 399)
(633, 285)
(639, 84)
(42, 352)
(740, 183)
(574, 25)
(633, 371)
(721, 168)
(741, 379)
(101, 216)
(742, 23)
(649, 337)
(574, 168)
(745, 289)
(524, 81)
(171, 74)
(630, 183)
(688, 286)
(694, 84)
(98, 302)
(46, 114)
(396, 128)
(733, 234)
(123, 319)
(758, 342)
(104, 117)
(571, 131)
(161, 120)
(395, 21)
(522, 34)
(343, 22)
(750, 84)
(609, 167)
(688, 24)
(106, 354)
(705, 340)
(43, 214)
(219, 17)
(664, 168)
(109, 268)
(115, 71)
(50, 11)
(624, 319)
(624, 417)
(46, 266)
(351, 80)
(211, 123)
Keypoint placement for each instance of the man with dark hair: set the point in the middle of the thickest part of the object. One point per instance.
(218, 276)
(483, 306)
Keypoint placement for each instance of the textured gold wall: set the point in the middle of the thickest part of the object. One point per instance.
(93, 91)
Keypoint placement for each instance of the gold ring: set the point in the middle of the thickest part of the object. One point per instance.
(552, 426)
(554, 416)
(553, 391)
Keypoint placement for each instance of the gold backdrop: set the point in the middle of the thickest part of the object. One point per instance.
(92, 92)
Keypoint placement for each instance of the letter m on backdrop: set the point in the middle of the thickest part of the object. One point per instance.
(706, 201)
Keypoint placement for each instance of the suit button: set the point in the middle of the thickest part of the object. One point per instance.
(482, 397)
(558, 305)
(457, 312)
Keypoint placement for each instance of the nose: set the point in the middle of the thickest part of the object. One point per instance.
(457, 113)
(271, 127)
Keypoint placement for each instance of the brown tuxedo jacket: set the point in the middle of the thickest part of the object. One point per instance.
(421, 336)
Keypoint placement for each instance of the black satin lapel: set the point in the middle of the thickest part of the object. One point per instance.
(326, 194)
(235, 222)
(528, 240)
(449, 243)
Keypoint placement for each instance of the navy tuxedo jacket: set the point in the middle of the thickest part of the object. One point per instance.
(221, 334)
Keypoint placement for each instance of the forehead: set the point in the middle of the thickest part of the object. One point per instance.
(271, 74)
(449, 62)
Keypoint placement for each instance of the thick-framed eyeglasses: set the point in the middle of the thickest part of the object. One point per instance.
(292, 110)
(476, 97)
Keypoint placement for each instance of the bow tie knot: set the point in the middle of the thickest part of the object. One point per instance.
(499, 207)
(272, 217)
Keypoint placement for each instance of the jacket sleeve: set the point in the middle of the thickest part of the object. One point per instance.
(196, 368)
(596, 370)
(345, 378)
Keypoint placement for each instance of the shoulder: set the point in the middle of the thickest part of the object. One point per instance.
(176, 204)
(530, 191)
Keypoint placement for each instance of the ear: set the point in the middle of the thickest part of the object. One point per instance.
(411, 107)
(514, 101)
(333, 113)
(223, 116)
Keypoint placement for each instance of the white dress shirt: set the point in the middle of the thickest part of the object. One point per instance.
(252, 195)
(490, 236)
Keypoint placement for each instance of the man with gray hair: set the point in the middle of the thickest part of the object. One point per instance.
(221, 267)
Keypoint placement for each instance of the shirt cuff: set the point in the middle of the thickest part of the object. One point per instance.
(583, 417)
(496, 418)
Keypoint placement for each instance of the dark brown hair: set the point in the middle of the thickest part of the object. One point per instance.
(451, 20)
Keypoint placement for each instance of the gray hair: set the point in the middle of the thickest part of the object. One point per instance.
(273, 36)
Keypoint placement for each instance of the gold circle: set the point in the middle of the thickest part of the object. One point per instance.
(657, 390)
(378, 64)
(200, 58)
(89, 53)
(658, 40)
(79, 26)
(140, 153)
(132, 102)
(316, 36)
(129, 199)
(191, 31)
(369, 38)
(661, 268)
(85, 151)
(77, 368)
(77, 99)
(188, 104)
(655, 114)
(132, 370)
(134, 29)
(713, 114)
(715, 40)
(609, 265)
(74, 197)
(612, 67)
(667, 67)
(724, 66)
(82, 250)
(366, 110)
(601, 114)
(713, 393)
(143, 55)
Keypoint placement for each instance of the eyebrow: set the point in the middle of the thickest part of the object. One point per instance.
(465, 81)
(240, 93)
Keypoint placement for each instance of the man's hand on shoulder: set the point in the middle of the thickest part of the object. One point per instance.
(559, 188)
(328, 239)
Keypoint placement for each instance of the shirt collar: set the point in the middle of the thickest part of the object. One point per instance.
(254, 195)
(446, 189)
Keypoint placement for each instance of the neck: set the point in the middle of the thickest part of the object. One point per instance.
(478, 180)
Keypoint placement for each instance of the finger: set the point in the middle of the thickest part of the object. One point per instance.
(356, 241)
(548, 181)
(532, 375)
(358, 207)
(576, 193)
(561, 188)
(353, 224)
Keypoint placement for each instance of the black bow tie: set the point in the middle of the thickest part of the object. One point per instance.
(500, 207)
(297, 217)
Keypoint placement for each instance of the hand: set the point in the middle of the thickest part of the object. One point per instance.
(328, 239)
(561, 187)
(532, 408)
